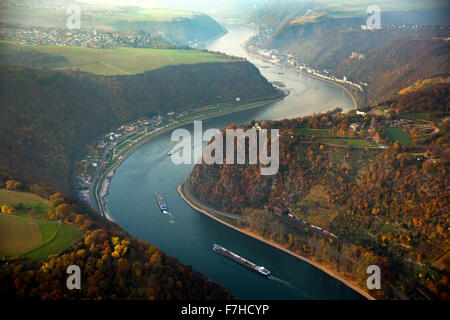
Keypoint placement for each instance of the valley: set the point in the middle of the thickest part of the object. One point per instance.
(90, 171)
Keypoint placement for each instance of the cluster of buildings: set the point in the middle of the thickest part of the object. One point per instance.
(356, 55)
(83, 182)
(101, 151)
(83, 38)
(99, 155)
(264, 33)
(289, 61)
(383, 119)
(394, 26)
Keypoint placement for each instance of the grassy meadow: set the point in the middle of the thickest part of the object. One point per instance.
(8, 198)
(398, 134)
(147, 15)
(64, 236)
(18, 235)
(349, 142)
(25, 233)
(101, 17)
(118, 61)
(315, 132)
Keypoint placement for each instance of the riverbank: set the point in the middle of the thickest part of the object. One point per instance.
(355, 103)
(349, 283)
(101, 186)
(350, 94)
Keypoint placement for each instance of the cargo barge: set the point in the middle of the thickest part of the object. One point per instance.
(236, 258)
(161, 201)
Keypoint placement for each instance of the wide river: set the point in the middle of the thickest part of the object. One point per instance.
(189, 235)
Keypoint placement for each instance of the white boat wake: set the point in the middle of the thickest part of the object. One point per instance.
(290, 285)
(172, 218)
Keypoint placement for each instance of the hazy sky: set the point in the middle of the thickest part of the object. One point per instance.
(237, 7)
(209, 4)
(196, 5)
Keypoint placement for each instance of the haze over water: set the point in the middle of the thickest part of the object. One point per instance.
(308, 95)
(189, 235)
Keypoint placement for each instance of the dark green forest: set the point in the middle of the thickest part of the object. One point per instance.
(48, 115)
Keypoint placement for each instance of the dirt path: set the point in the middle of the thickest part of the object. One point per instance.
(112, 67)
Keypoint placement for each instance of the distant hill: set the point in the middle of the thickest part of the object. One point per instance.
(63, 110)
(277, 14)
(326, 43)
(181, 27)
(194, 27)
(410, 47)
(398, 64)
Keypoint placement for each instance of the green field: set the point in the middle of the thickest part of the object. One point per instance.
(315, 132)
(24, 233)
(34, 211)
(64, 237)
(349, 142)
(33, 205)
(18, 235)
(338, 156)
(8, 198)
(48, 230)
(328, 137)
(118, 61)
(96, 16)
(93, 16)
(153, 15)
(397, 134)
(421, 116)
(34, 239)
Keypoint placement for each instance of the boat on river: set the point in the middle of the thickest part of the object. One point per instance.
(161, 201)
(242, 261)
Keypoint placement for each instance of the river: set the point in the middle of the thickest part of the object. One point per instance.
(189, 235)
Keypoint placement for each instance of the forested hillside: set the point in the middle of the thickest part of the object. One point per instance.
(113, 265)
(47, 115)
(398, 64)
(198, 27)
(325, 43)
(277, 14)
(180, 27)
(411, 46)
(391, 201)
